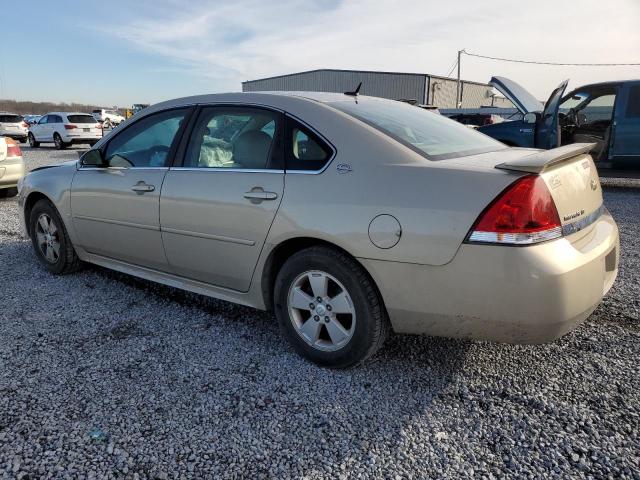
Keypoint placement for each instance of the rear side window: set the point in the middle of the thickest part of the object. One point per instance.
(147, 142)
(306, 151)
(10, 118)
(633, 106)
(234, 137)
(81, 119)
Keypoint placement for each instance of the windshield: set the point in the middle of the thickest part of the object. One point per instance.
(433, 136)
(81, 119)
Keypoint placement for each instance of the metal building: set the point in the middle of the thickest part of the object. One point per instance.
(421, 87)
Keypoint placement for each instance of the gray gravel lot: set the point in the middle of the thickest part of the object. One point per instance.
(103, 375)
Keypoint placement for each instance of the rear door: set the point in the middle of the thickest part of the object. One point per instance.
(625, 142)
(116, 209)
(548, 129)
(217, 207)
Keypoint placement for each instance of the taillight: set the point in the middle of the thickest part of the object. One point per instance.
(13, 149)
(25, 124)
(69, 126)
(488, 121)
(523, 214)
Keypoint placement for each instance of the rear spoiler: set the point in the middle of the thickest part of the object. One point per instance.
(540, 161)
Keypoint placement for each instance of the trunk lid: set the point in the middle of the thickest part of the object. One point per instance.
(572, 179)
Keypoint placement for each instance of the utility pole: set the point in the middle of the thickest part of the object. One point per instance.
(458, 99)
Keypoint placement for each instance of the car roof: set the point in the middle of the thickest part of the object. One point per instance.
(611, 83)
(67, 113)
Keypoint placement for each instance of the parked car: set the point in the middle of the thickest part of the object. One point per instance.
(108, 117)
(13, 126)
(32, 119)
(65, 129)
(347, 215)
(607, 114)
(11, 167)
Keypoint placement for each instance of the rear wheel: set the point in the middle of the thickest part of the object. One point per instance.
(23, 140)
(328, 308)
(57, 139)
(32, 141)
(51, 241)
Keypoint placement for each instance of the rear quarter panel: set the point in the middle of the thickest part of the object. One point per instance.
(435, 202)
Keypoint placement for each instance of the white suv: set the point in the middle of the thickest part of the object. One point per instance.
(108, 117)
(64, 129)
(13, 126)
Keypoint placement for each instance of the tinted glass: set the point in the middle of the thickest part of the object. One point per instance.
(147, 142)
(307, 151)
(54, 119)
(429, 134)
(43, 120)
(633, 106)
(10, 118)
(81, 119)
(232, 138)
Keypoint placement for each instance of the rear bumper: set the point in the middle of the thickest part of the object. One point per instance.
(10, 172)
(86, 138)
(531, 294)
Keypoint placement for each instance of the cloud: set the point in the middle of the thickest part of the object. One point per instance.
(245, 39)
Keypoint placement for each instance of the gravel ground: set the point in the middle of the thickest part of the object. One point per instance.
(103, 375)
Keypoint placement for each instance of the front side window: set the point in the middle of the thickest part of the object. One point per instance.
(233, 138)
(431, 135)
(43, 120)
(147, 142)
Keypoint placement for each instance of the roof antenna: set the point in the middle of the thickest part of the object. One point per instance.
(355, 92)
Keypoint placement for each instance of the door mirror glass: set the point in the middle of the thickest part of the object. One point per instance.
(93, 158)
(529, 118)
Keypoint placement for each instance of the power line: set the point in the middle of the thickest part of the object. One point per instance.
(552, 63)
(452, 68)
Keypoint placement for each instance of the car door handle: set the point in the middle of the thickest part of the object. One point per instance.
(257, 194)
(142, 187)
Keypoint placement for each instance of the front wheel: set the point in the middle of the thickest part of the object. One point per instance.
(329, 308)
(32, 141)
(50, 239)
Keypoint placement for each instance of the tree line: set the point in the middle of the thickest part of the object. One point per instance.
(40, 108)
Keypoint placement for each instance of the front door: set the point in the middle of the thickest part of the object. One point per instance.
(116, 209)
(216, 209)
(547, 128)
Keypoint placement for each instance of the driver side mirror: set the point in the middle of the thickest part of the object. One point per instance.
(93, 158)
(529, 118)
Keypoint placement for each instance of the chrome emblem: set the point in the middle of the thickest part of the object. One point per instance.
(594, 184)
(343, 168)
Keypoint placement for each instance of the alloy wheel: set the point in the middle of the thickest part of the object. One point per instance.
(321, 310)
(48, 238)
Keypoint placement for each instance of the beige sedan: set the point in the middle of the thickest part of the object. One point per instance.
(11, 167)
(348, 216)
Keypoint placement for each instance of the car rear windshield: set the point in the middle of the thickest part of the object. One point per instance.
(10, 118)
(81, 119)
(429, 134)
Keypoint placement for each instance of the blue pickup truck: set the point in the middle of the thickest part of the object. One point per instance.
(607, 114)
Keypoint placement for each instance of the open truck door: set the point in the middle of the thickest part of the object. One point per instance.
(547, 133)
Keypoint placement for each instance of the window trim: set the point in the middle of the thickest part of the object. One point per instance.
(189, 109)
(327, 143)
(181, 154)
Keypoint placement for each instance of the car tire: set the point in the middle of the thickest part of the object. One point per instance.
(8, 192)
(362, 315)
(57, 140)
(23, 140)
(32, 141)
(47, 230)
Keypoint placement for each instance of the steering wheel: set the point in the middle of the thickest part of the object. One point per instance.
(158, 155)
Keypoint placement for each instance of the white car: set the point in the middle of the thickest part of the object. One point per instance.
(11, 167)
(13, 126)
(108, 117)
(64, 129)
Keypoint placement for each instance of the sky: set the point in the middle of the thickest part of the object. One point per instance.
(116, 53)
